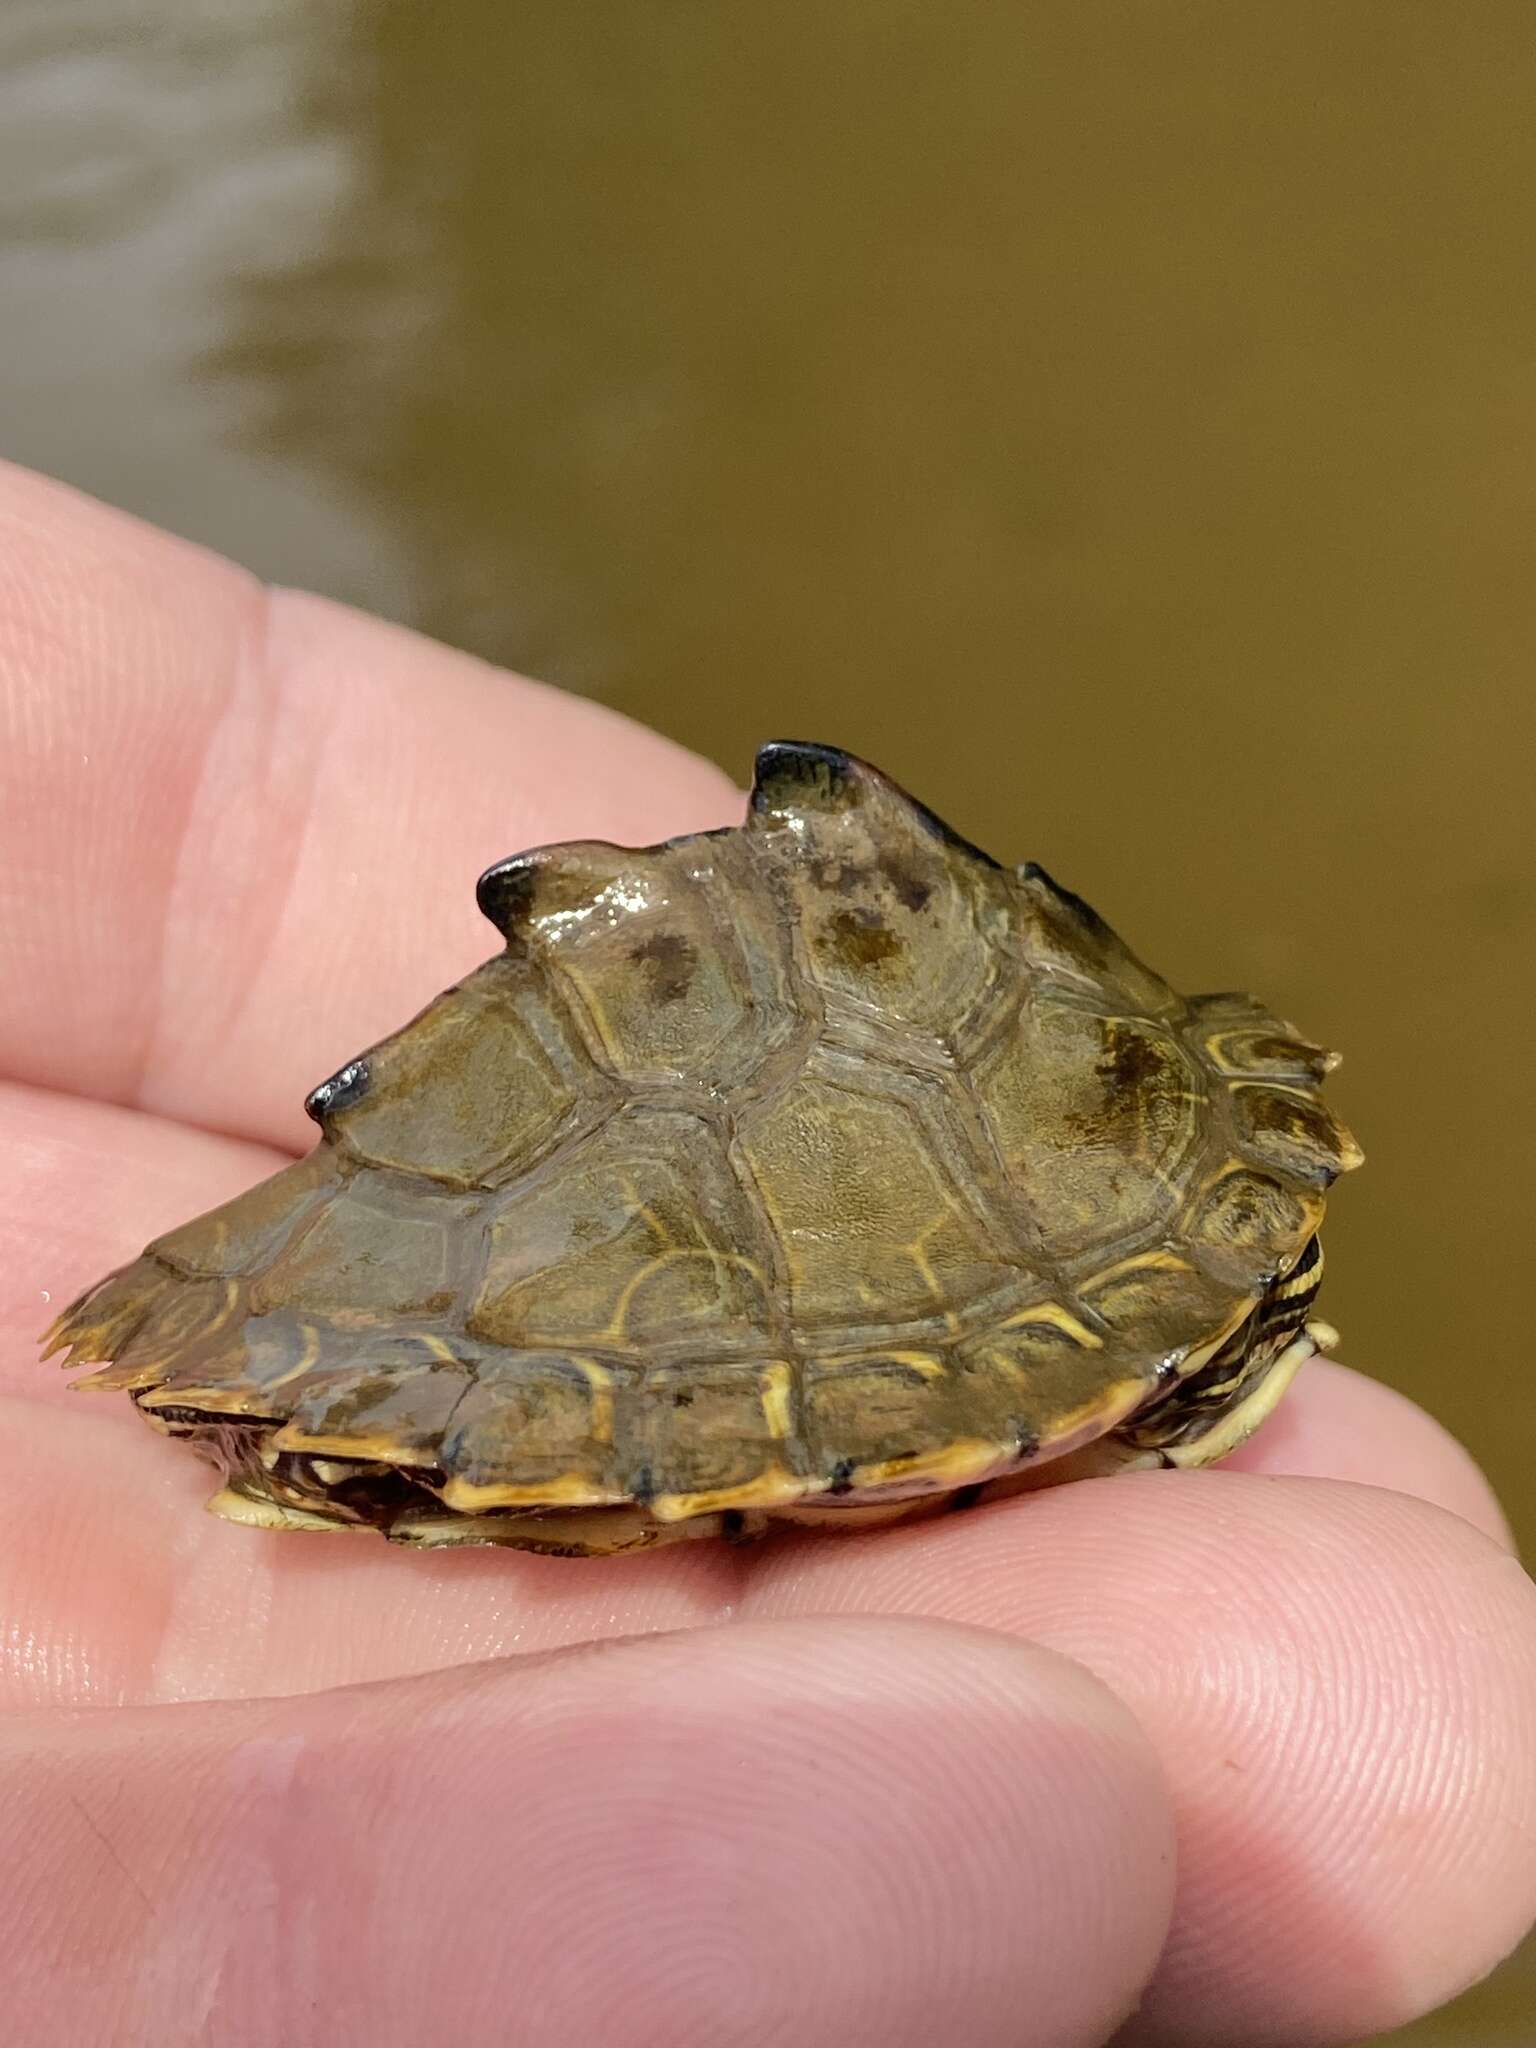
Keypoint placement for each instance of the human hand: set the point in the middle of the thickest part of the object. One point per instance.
(921, 1786)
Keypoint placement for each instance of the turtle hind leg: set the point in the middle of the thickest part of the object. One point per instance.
(1189, 1434)
(1207, 1414)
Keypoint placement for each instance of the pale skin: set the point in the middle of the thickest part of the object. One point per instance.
(1255, 1748)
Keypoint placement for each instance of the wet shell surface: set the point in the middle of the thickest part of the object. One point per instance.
(818, 1169)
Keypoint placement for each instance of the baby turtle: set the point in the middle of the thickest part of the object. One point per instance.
(800, 1172)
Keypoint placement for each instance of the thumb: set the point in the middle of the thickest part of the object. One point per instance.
(830, 1831)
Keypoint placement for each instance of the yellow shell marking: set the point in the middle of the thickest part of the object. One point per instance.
(568, 1489)
(778, 1384)
(617, 1330)
(917, 1252)
(233, 1506)
(118, 1378)
(771, 1488)
(1160, 1260)
(600, 1384)
(236, 1400)
(1058, 1318)
(957, 1464)
(922, 1362)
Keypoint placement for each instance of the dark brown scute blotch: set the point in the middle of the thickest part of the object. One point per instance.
(839, 877)
(912, 892)
(861, 939)
(367, 1393)
(1129, 1063)
(668, 961)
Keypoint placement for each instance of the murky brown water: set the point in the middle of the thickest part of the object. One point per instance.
(1121, 422)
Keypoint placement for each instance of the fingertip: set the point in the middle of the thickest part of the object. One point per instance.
(1339, 1680)
(840, 1830)
(1387, 1857)
(832, 1830)
(1337, 1423)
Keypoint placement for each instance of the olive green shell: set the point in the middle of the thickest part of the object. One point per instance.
(816, 1157)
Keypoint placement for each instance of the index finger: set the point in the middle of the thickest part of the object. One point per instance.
(240, 829)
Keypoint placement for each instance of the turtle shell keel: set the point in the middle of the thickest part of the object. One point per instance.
(817, 1169)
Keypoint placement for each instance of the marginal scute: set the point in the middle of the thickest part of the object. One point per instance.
(542, 1431)
(100, 1321)
(1163, 1303)
(1038, 1390)
(1293, 1131)
(1250, 1226)
(1094, 1115)
(1269, 1051)
(256, 1365)
(544, 896)
(473, 1089)
(196, 1336)
(722, 1438)
(394, 1409)
(887, 1421)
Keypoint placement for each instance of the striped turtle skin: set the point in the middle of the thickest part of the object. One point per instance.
(816, 1170)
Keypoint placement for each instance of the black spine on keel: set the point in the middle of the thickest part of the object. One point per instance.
(344, 1088)
(505, 893)
(804, 774)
